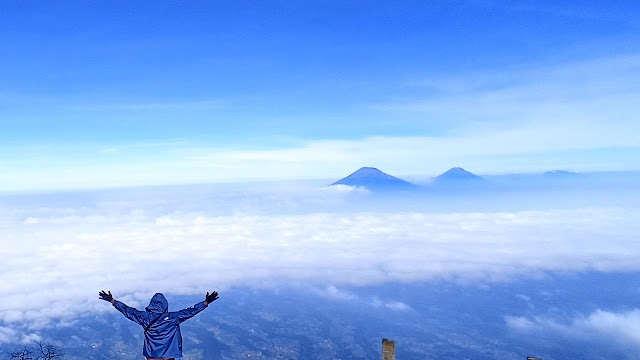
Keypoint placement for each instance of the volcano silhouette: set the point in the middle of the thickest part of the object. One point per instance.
(374, 179)
(458, 177)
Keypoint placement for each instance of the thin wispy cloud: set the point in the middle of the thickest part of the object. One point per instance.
(153, 106)
(580, 115)
(521, 149)
(582, 94)
(563, 10)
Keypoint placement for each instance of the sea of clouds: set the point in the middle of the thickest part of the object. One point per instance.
(60, 250)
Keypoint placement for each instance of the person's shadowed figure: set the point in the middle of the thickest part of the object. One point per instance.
(162, 338)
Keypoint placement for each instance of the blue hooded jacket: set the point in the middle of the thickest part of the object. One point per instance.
(162, 338)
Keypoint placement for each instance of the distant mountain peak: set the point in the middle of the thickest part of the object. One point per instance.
(459, 171)
(369, 171)
(374, 179)
(456, 174)
(560, 173)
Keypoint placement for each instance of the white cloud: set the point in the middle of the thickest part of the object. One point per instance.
(345, 189)
(397, 306)
(519, 323)
(618, 326)
(334, 293)
(134, 250)
(10, 335)
(624, 325)
(6, 334)
(30, 338)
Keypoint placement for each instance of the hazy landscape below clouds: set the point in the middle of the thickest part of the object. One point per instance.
(346, 245)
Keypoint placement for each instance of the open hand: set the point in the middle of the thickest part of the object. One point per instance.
(211, 297)
(106, 296)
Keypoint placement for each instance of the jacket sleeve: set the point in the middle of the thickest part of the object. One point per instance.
(189, 312)
(132, 314)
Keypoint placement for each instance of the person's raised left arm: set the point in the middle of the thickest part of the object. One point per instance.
(188, 313)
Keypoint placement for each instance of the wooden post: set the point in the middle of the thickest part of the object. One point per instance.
(388, 350)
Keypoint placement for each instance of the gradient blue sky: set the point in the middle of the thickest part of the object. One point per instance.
(99, 94)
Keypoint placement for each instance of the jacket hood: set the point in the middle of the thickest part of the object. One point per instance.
(158, 304)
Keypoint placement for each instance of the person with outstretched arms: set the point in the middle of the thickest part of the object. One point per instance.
(162, 338)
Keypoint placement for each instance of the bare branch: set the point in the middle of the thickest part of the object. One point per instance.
(48, 351)
(23, 354)
(41, 351)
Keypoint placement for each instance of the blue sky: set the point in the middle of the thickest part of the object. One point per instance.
(108, 94)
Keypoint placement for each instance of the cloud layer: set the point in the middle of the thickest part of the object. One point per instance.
(58, 258)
